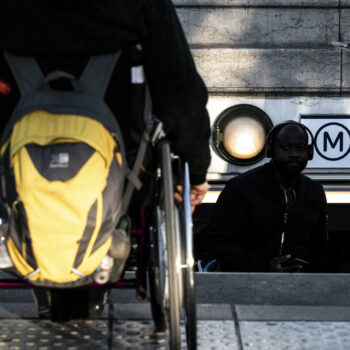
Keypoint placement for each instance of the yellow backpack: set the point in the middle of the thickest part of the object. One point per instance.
(62, 172)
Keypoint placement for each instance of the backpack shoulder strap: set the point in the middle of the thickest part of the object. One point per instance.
(26, 71)
(146, 139)
(98, 72)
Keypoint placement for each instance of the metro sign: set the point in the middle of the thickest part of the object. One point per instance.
(332, 140)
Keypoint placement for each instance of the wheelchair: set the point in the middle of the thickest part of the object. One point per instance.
(163, 259)
(161, 236)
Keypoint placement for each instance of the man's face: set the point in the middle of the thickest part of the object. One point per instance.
(290, 153)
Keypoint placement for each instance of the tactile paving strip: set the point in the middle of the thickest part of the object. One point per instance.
(77, 335)
(295, 335)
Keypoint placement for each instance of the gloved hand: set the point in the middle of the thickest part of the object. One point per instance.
(284, 263)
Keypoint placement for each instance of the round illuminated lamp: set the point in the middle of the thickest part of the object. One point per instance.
(239, 134)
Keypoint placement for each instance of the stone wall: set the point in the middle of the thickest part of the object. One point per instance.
(273, 47)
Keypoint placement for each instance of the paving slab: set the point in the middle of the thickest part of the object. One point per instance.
(214, 312)
(298, 289)
(292, 313)
(142, 311)
(92, 335)
(295, 335)
(219, 327)
(126, 311)
(263, 3)
(18, 310)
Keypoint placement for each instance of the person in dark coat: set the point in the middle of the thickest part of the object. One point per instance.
(273, 218)
(63, 34)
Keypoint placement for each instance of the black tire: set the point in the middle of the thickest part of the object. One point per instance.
(155, 279)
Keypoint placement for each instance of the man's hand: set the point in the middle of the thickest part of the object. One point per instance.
(276, 265)
(197, 193)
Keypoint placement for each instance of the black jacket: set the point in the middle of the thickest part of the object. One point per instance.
(64, 34)
(248, 220)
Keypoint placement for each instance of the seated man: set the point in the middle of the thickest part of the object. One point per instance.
(272, 218)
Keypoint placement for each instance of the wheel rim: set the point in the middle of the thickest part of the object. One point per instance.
(175, 276)
(188, 263)
(174, 302)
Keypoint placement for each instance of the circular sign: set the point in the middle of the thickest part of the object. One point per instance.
(332, 141)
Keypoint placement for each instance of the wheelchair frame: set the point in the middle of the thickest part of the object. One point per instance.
(170, 268)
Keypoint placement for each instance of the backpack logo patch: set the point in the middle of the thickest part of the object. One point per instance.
(60, 160)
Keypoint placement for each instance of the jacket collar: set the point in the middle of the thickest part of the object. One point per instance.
(300, 187)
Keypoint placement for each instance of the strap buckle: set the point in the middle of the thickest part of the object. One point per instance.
(158, 132)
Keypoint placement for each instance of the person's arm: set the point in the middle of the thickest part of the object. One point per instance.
(197, 193)
(319, 243)
(230, 217)
(178, 93)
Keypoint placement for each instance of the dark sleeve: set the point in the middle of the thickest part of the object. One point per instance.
(227, 225)
(178, 93)
(319, 244)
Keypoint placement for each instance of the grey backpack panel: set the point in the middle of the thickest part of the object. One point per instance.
(86, 99)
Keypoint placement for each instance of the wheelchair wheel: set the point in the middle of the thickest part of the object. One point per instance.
(171, 260)
(172, 240)
(158, 270)
(187, 263)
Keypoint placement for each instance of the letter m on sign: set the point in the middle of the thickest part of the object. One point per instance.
(327, 138)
